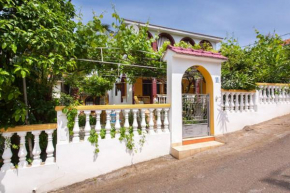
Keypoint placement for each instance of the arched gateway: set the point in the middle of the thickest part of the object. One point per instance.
(208, 64)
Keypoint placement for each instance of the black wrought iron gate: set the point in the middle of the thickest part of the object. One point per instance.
(195, 115)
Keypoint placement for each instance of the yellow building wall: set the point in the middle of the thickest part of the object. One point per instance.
(138, 87)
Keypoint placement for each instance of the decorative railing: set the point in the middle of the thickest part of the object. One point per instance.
(273, 93)
(238, 100)
(22, 131)
(161, 99)
(149, 118)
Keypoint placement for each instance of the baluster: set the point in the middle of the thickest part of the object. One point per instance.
(288, 95)
(268, 94)
(76, 129)
(126, 124)
(7, 154)
(272, 94)
(143, 122)
(49, 148)
(158, 130)
(117, 125)
(278, 95)
(222, 100)
(283, 95)
(108, 124)
(261, 94)
(237, 102)
(241, 102)
(87, 126)
(98, 121)
(252, 95)
(227, 102)
(36, 149)
(151, 122)
(166, 122)
(232, 102)
(247, 105)
(22, 150)
(135, 122)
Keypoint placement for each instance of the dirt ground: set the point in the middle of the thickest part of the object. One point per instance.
(256, 159)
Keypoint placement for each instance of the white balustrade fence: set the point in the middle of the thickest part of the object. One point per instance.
(274, 93)
(152, 120)
(161, 99)
(22, 153)
(238, 101)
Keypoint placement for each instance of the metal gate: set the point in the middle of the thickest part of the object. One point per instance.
(195, 115)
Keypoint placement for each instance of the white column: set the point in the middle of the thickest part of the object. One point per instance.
(227, 102)
(241, 102)
(22, 150)
(49, 148)
(261, 95)
(222, 100)
(108, 124)
(268, 94)
(237, 102)
(87, 126)
(126, 124)
(98, 121)
(151, 122)
(246, 102)
(143, 122)
(158, 121)
(166, 122)
(252, 102)
(76, 129)
(232, 102)
(283, 93)
(36, 149)
(135, 122)
(272, 94)
(7, 154)
(117, 124)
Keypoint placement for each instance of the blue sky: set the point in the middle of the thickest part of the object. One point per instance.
(221, 18)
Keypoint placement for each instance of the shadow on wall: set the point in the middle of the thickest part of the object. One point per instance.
(222, 120)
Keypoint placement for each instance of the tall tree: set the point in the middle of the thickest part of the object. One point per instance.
(37, 43)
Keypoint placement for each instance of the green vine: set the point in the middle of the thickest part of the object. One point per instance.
(94, 139)
(128, 138)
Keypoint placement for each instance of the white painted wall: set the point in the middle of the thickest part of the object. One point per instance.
(77, 161)
(233, 121)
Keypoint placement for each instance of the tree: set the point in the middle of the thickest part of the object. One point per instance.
(264, 61)
(37, 43)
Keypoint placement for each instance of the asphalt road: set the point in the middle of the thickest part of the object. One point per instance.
(256, 159)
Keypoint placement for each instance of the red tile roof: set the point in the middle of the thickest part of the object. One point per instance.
(202, 53)
(287, 42)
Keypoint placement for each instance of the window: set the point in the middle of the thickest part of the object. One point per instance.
(188, 41)
(163, 37)
(204, 43)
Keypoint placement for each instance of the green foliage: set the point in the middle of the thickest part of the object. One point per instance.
(265, 61)
(37, 43)
(94, 139)
(96, 86)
